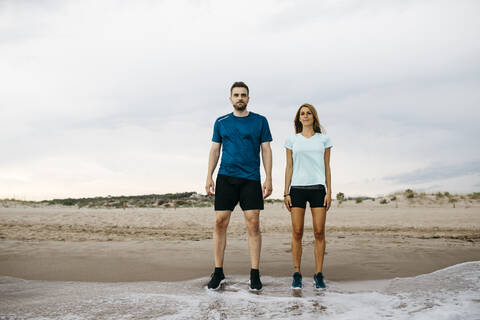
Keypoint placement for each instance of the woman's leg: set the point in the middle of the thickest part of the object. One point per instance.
(319, 215)
(298, 215)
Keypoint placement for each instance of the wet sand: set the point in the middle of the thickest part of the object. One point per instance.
(364, 241)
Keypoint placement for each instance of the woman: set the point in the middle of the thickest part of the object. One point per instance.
(307, 173)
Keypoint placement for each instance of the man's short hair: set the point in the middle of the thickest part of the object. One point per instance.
(239, 84)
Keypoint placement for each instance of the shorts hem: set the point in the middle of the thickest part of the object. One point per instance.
(222, 209)
(227, 209)
(259, 209)
(306, 207)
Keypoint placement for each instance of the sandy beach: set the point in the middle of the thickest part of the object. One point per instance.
(365, 241)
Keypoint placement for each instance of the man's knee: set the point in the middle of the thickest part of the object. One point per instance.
(221, 222)
(253, 224)
(253, 228)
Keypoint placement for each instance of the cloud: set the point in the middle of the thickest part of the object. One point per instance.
(133, 88)
(437, 172)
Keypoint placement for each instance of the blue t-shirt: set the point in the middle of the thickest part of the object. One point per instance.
(308, 158)
(241, 138)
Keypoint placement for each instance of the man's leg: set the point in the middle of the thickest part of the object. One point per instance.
(252, 220)
(220, 236)
(219, 244)
(251, 202)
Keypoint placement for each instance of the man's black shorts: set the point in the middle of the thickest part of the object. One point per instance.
(229, 191)
(315, 195)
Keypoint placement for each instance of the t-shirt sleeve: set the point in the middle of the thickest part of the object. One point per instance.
(266, 135)
(289, 143)
(216, 133)
(327, 143)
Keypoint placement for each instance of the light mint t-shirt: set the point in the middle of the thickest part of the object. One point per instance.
(308, 158)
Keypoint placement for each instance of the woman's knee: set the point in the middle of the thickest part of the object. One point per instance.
(319, 234)
(297, 233)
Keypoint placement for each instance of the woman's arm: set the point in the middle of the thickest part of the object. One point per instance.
(288, 179)
(328, 178)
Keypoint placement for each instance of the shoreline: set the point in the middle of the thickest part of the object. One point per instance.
(360, 257)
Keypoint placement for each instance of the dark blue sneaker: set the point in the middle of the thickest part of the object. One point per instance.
(318, 281)
(297, 281)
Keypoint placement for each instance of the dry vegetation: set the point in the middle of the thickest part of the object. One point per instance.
(168, 200)
(412, 198)
(195, 200)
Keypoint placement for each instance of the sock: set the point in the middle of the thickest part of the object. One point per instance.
(254, 272)
(218, 270)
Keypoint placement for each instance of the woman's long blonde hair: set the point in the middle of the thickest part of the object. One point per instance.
(316, 123)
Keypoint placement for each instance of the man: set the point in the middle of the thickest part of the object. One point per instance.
(240, 134)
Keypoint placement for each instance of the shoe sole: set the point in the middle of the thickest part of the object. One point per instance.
(252, 289)
(220, 284)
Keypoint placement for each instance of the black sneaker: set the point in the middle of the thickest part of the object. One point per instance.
(216, 280)
(255, 283)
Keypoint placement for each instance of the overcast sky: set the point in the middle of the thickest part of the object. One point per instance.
(119, 97)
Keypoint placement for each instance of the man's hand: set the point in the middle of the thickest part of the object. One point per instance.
(210, 186)
(327, 201)
(267, 188)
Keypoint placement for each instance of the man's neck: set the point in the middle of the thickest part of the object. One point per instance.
(242, 113)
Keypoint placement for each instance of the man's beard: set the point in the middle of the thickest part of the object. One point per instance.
(240, 107)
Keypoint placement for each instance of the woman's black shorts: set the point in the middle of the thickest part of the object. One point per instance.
(230, 190)
(315, 195)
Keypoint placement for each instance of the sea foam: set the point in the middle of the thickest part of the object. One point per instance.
(451, 293)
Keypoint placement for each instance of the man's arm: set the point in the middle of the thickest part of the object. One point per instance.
(267, 164)
(212, 164)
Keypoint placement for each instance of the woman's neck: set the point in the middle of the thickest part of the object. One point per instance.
(307, 131)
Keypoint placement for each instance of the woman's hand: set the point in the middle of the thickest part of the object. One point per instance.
(327, 202)
(288, 202)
